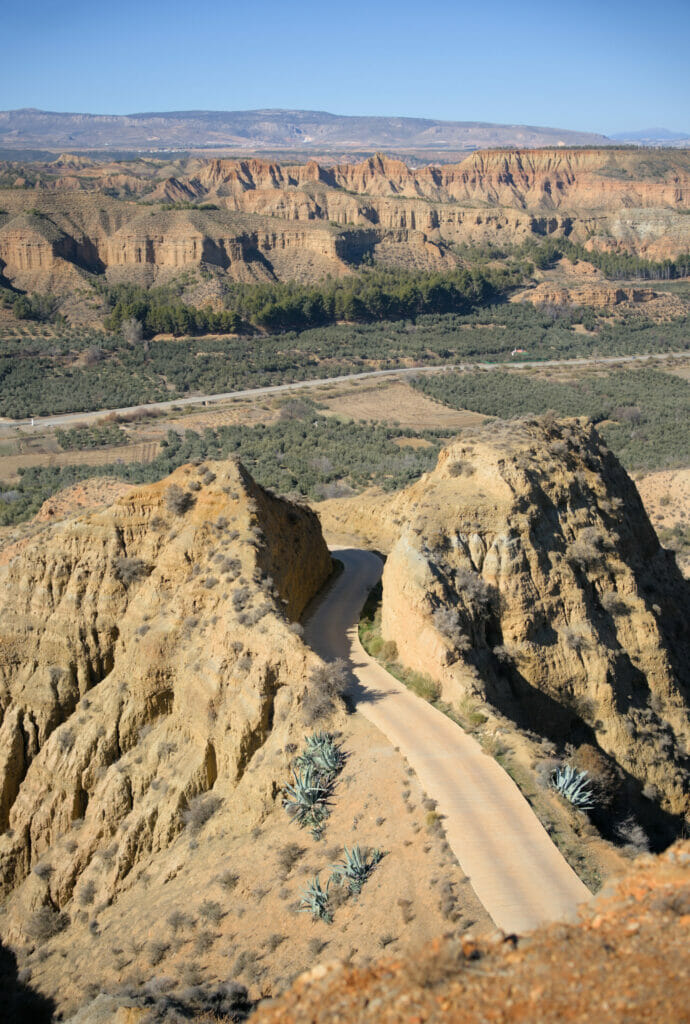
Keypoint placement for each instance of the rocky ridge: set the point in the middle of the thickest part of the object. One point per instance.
(258, 219)
(111, 668)
(523, 572)
(625, 961)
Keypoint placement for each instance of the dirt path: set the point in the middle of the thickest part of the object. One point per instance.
(515, 870)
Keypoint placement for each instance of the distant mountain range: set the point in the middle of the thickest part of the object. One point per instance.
(654, 137)
(252, 130)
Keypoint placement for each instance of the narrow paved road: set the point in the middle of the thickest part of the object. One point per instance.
(64, 419)
(515, 870)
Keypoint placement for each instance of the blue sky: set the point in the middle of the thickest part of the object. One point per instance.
(600, 66)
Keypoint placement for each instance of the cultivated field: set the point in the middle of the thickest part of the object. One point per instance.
(11, 464)
(395, 402)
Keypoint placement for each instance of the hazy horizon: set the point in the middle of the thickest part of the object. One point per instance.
(586, 69)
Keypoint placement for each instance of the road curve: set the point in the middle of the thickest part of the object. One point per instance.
(64, 419)
(515, 870)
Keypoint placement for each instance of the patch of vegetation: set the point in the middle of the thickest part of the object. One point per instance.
(354, 868)
(306, 799)
(305, 455)
(643, 415)
(100, 435)
(70, 370)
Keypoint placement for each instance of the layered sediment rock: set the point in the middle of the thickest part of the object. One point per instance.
(146, 658)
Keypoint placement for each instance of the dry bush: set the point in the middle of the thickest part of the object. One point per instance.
(326, 686)
(633, 836)
(575, 638)
(473, 587)
(127, 570)
(614, 604)
(177, 500)
(447, 622)
(587, 549)
(604, 775)
(200, 809)
(460, 467)
(389, 650)
(288, 856)
(211, 911)
(157, 951)
(44, 923)
(228, 880)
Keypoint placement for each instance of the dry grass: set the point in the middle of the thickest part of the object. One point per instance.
(396, 402)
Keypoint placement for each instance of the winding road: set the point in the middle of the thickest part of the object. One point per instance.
(516, 871)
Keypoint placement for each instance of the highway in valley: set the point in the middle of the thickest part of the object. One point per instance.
(69, 419)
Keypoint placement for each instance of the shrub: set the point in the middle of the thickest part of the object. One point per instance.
(355, 868)
(210, 911)
(65, 739)
(306, 801)
(288, 857)
(473, 587)
(228, 880)
(200, 809)
(46, 922)
(614, 604)
(177, 500)
(178, 920)
(327, 684)
(633, 835)
(127, 570)
(460, 467)
(323, 755)
(587, 549)
(314, 901)
(157, 951)
(447, 622)
(575, 638)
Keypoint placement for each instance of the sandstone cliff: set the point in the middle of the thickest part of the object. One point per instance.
(257, 219)
(147, 641)
(523, 571)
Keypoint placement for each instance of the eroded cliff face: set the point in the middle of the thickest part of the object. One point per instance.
(146, 659)
(261, 220)
(525, 572)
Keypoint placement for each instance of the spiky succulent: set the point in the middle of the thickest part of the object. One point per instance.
(574, 786)
(306, 800)
(315, 900)
(323, 754)
(355, 868)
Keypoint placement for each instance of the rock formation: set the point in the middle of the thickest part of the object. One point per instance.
(146, 657)
(255, 219)
(524, 571)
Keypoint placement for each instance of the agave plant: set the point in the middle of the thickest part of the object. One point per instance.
(355, 868)
(323, 754)
(574, 786)
(307, 800)
(315, 900)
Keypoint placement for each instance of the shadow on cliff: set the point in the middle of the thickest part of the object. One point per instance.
(525, 704)
(19, 1003)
